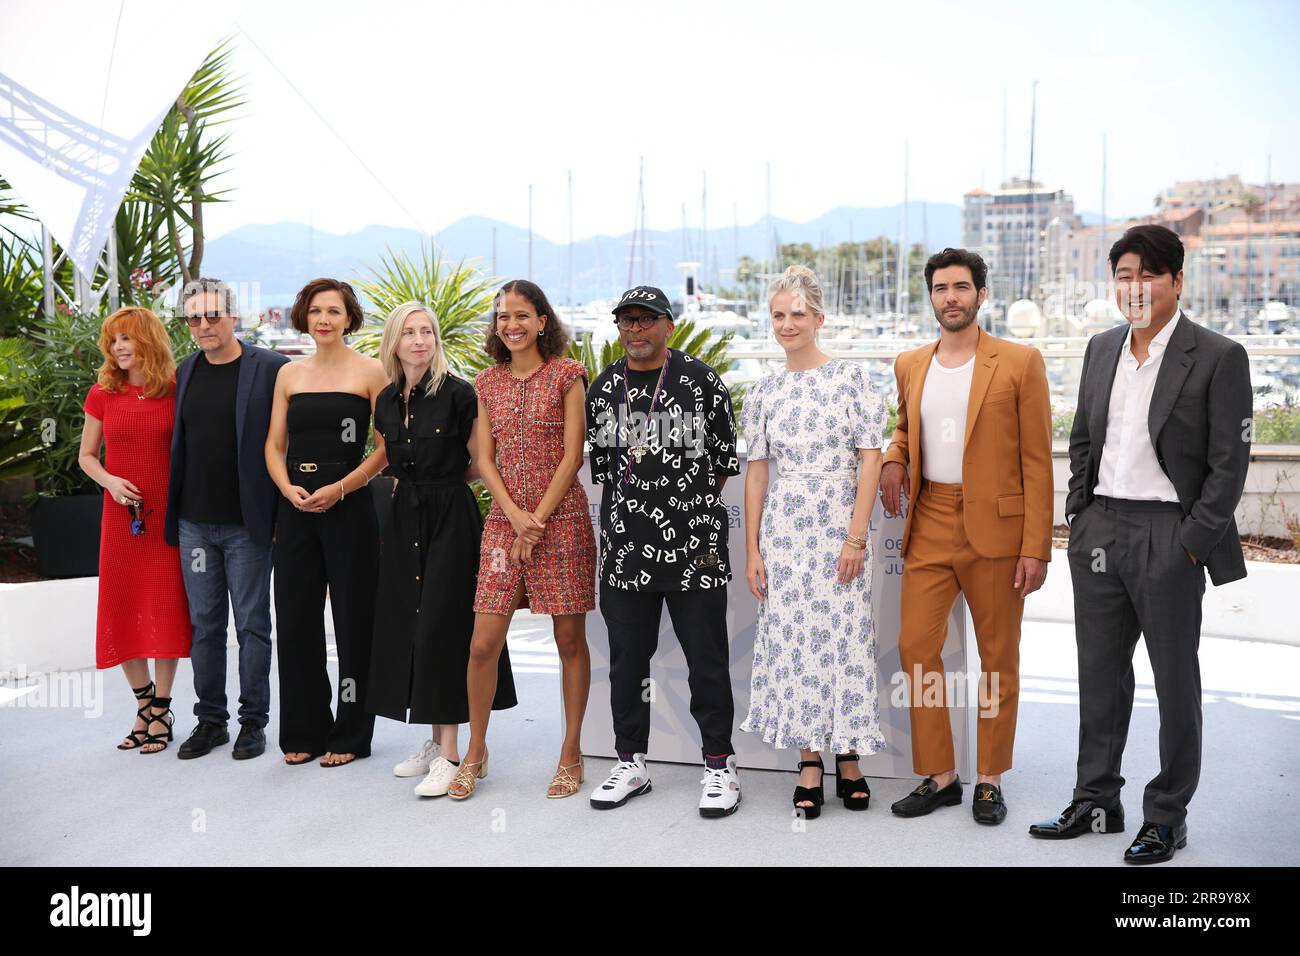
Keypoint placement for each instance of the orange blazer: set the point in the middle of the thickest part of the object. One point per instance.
(1006, 473)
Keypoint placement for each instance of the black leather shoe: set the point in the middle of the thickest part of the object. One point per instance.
(987, 806)
(202, 739)
(927, 798)
(250, 743)
(1080, 817)
(1156, 843)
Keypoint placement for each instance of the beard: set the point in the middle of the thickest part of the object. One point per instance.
(956, 325)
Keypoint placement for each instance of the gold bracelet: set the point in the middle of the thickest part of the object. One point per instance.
(853, 541)
(343, 492)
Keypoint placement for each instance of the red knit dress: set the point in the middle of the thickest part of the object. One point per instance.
(142, 607)
(527, 421)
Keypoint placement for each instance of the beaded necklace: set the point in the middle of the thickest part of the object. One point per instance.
(642, 446)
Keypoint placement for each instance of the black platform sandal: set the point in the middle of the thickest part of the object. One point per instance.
(845, 788)
(135, 739)
(815, 795)
(166, 718)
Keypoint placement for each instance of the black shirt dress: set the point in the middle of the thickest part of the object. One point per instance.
(428, 564)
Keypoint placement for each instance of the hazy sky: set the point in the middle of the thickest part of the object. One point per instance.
(456, 107)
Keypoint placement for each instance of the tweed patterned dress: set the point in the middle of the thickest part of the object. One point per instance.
(527, 421)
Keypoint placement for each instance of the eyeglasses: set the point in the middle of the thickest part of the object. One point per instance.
(138, 514)
(628, 322)
(213, 318)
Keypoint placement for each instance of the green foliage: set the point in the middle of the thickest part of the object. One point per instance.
(162, 216)
(21, 290)
(61, 363)
(51, 361)
(19, 442)
(459, 295)
(1278, 425)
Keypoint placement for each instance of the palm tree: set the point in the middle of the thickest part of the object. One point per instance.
(460, 296)
(162, 214)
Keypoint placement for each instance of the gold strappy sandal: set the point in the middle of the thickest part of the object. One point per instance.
(467, 777)
(564, 779)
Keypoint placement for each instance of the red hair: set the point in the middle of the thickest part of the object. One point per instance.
(153, 351)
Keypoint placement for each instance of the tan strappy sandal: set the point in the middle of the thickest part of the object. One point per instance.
(564, 780)
(467, 777)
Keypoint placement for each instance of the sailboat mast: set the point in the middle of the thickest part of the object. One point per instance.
(570, 205)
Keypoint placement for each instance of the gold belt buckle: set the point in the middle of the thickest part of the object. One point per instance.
(307, 466)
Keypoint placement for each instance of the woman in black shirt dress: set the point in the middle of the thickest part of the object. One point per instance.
(429, 549)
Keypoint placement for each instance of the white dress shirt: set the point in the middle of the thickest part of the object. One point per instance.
(944, 400)
(1129, 468)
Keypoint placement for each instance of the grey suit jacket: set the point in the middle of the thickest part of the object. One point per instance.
(1200, 426)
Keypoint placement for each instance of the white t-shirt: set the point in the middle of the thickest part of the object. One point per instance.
(944, 400)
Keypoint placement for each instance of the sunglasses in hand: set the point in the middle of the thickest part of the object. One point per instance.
(138, 514)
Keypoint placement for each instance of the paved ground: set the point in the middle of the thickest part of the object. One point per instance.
(67, 797)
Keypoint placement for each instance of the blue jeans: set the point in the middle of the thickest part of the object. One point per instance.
(219, 560)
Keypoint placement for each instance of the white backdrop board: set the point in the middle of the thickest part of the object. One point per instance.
(673, 733)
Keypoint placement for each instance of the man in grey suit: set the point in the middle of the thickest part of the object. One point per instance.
(1158, 458)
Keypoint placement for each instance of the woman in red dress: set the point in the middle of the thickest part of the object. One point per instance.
(142, 608)
(538, 548)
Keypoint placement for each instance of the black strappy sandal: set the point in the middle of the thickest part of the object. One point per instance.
(815, 795)
(166, 718)
(845, 788)
(137, 737)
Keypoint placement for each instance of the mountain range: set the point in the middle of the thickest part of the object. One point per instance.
(283, 256)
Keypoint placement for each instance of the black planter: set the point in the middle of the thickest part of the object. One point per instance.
(65, 532)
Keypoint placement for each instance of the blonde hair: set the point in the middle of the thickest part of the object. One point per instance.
(803, 284)
(393, 326)
(153, 351)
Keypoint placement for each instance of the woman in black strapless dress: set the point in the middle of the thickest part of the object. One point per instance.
(327, 531)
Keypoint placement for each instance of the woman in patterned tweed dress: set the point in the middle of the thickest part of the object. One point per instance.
(538, 548)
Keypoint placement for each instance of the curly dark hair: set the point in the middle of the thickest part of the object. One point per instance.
(979, 272)
(556, 340)
(298, 312)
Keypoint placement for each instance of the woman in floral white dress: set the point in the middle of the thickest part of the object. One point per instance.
(814, 682)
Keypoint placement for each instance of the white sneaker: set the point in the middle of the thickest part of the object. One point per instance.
(721, 794)
(438, 779)
(628, 779)
(417, 765)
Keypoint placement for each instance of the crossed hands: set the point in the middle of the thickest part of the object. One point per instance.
(320, 501)
(528, 532)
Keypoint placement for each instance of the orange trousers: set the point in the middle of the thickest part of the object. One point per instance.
(940, 562)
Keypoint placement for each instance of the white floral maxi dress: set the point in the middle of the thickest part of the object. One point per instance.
(814, 682)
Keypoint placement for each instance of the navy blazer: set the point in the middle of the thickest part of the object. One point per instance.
(1199, 423)
(254, 394)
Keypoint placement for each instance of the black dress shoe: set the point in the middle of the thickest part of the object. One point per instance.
(988, 806)
(1156, 843)
(202, 739)
(250, 743)
(1080, 817)
(927, 798)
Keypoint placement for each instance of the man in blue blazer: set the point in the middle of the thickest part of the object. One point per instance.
(220, 512)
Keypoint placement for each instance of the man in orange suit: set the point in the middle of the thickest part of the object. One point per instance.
(972, 453)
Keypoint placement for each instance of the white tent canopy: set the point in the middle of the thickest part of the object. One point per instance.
(83, 88)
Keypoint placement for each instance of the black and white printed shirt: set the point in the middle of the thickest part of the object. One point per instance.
(664, 526)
